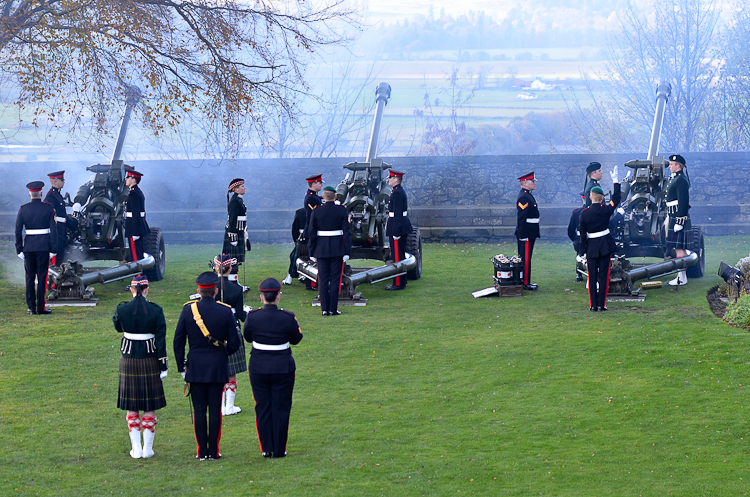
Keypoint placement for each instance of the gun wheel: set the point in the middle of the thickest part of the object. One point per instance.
(154, 245)
(414, 247)
(698, 247)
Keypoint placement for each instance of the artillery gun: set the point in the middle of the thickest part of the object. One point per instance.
(100, 234)
(365, 193)
(640, 230)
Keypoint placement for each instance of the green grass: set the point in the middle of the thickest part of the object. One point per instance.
(422, 392)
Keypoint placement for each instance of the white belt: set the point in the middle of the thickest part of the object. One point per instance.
(393, 214)
(331, 233)
(241, 218)
(60, 219)
(533, 220)
(45, 231)
(672, 203)
(263, 346)
(139, 336)
(130, 214)
(598, 234)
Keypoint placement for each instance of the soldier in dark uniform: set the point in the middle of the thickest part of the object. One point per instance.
(235, 231)
(330, 245)
(311, 202)
(272, 331)
(298, 228)
(231, 294)
(593, 175)
(143, 365)
(136, 227)
(398, 227)
(573, 233)
(679, 226)
(527, 226)
(55, 199)
(597, 244)
(207, 365)
(37, 247)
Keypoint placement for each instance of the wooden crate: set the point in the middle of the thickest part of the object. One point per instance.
(509, 290)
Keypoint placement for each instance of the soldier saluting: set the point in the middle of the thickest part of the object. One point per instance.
(37, 247)
(136, 226)
(55, 199)
(398, 226)
(527, 225)
(593, 175)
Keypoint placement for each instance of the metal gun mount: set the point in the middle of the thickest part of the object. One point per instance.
(365, 193)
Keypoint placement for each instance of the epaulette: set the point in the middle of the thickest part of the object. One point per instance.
(287, 312)
(190, 302)
(254, 310)
(222, 303)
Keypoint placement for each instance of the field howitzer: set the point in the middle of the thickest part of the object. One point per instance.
(365, 192)
(99, 206)
(639, 227)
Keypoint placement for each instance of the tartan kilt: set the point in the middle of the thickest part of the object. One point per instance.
(302, 249)
(237, 252)
(237, 361)
(140, 386)
(682, 239)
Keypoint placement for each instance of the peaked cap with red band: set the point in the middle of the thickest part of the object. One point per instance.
(393, 173)
(134, 173)
(35, 186)
(314, 178)
(269, 285)
(57, 175)
(527, 177)
(207, 280)
(235, 183)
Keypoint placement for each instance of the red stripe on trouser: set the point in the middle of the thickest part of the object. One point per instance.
(606, 291)
(221, 425)
(588, 269)
(396, 259)
(257, 430)
(195, 435)
(341, 278)
(132, 249)
(46, 284)
(526, 263)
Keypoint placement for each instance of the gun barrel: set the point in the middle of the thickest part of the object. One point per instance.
(382, 94)
(134, 96)
(663, 90)
(661, 268)
(118, 272)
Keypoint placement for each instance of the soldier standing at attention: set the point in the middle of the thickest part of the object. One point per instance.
(574, 234)
(597, 244)
(231, 294)
(311, 202)
(527, 226)
(143, 364)
(593, 175)
(398, 226)
(37, 247)
(210, 329)
(679, 226)
(298, 228)
(235, 231)
(136, 226)
(330, 246)
(55, 199)
(272, 331)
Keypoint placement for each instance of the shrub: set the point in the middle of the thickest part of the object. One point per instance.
(738, 313)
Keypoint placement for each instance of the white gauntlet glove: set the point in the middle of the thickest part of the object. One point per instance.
(614, 176)
(580, 258)
(22, 256)
(678, 227)
(346, 258)
(135, 237)
(183, 375)
(76, 207)
(52, 254)
(314, 259)
(163, 375)
(247, 308)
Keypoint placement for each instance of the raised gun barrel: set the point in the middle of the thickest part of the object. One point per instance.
(133, 97)
(382, 95)
(663, 91)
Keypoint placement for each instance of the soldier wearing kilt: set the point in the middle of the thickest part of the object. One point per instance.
(136, 226)
(143, 365)
(311, 202)
(236, 242)
(231, 294)
(679, 227)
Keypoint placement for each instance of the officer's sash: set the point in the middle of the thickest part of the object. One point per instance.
(202, 326)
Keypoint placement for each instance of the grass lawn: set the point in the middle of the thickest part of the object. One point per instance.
(423, 392)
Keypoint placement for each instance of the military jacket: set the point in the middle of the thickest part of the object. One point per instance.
(329, 232)
(137, 319)
(38, 218)
(135, 214)
(398, 223)
(591, 183)
(596, 241)
(527, 215)
(206, 363)
(271, 326)
(231, 294)
(312, 202)
(298, 225)
(678, 197)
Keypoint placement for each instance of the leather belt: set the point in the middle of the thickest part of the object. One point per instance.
(598, 234)
(44, 231)
(533, 220)
(393, 214)
(130, 214)
(241, 218)
(263, 346)
(331, 233)
(139, 336)
(59, 219)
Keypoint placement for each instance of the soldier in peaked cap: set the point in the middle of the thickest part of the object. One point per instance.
(55, 199)
(136, 227)
(527, 225)
(210, 328)
(679, 226)
(330, 246)
(231, 293)
(143, 365)
(236, 242)
(272, 331)
(398, 227)
(37, 221)
(593, 175)
(312, 201)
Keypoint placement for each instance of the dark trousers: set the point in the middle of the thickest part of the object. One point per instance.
(36, 265)
(136, 249)
(207, 396)
(598, 268)
(525, 252)
(273, 404)
(330, 270)
(398, 252)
